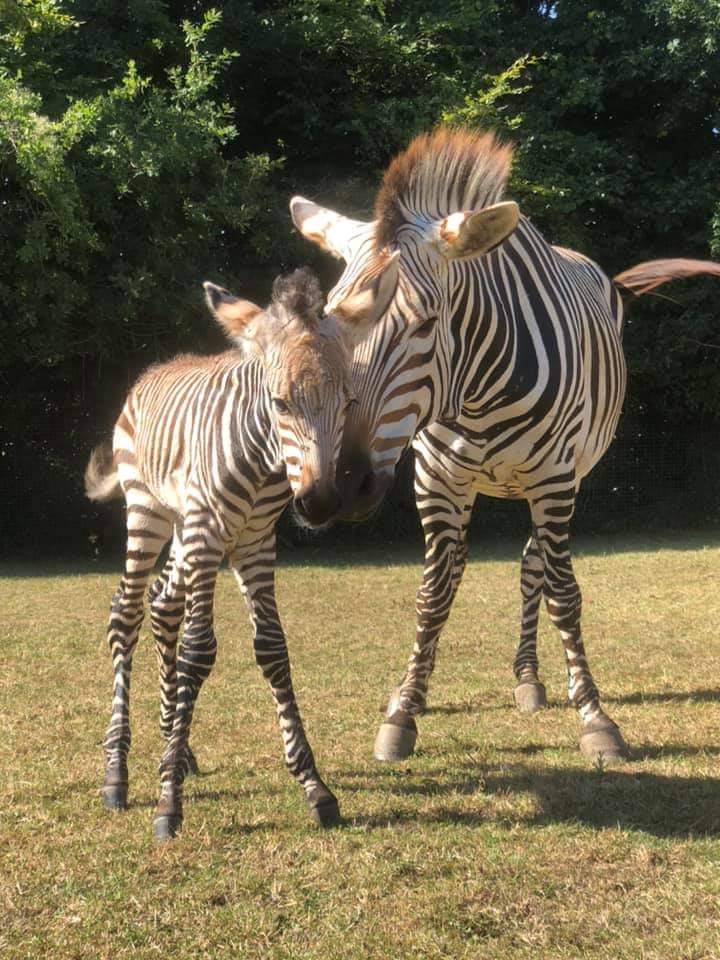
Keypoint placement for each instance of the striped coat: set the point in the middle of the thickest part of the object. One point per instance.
(498, 357)
(206, 453)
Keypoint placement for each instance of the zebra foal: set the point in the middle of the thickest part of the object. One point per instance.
(498, 356)
(203, 452)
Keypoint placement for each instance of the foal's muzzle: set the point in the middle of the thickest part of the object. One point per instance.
(316, 503)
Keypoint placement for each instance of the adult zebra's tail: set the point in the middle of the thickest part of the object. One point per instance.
(646, 276)
(101, 477)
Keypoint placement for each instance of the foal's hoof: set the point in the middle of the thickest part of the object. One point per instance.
(322, 806)
(114, 796)
(395, 739)
(530, 696)
(326, 813)
(166, 827)
(601, 741)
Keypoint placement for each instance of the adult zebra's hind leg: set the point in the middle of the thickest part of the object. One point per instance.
(149, 529)
(600, 738)
(167, 608)
(254, 569)
(529, 694)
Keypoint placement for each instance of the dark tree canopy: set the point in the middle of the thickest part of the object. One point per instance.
(148, 146)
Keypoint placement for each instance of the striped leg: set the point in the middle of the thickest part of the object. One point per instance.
(202, 555)
(459, 563)
(444, 513)
(149, 528)
(254, 570)
(551, 514)
(167, 608)
(529, 693)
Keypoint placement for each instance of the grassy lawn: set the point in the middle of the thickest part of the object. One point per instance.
(495, 841)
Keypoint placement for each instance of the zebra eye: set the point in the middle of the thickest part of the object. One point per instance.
(352, 402)
(280, 405)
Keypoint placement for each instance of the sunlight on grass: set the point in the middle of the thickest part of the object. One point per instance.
(495, 841)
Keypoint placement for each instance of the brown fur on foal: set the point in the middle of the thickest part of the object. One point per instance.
(475, 165)
(646, 276)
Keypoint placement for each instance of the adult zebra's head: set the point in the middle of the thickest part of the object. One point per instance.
(408, 275)
(305, 357)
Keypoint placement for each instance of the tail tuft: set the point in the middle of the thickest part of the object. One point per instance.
(646, 276)
(101, 478)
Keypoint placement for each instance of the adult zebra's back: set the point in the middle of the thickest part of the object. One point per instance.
(206, 451)
(499, 357)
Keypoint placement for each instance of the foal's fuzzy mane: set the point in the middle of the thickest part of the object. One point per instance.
(440, 173)
(300, 294)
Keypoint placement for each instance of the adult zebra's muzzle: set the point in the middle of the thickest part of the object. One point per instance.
(361, 488)
(317, 502)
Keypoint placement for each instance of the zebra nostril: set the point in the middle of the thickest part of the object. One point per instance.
(367, 485)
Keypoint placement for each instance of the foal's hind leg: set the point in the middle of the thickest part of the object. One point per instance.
(149, 528)
(529, 693)
(167, 608)
(203, 551)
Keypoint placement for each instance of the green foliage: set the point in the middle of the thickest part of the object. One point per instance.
(148, 145)
(119, 205)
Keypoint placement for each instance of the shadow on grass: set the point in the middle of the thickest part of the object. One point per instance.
(664, 806)
(711, 695)
(340, 556)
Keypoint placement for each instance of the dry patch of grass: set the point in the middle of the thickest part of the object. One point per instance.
(495, 841)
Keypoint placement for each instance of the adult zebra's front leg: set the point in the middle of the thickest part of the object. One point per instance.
(254, 569)
(203, 551)
(444, 508)
(529, 694)
(552, 509)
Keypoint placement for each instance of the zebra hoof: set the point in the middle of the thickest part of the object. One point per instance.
(192, 765)
(395, 741)
(530, 696)
(166, 827)
(601, 742)
(114, 796)
(326, 813)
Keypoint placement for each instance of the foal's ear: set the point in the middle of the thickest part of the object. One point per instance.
(233, 315)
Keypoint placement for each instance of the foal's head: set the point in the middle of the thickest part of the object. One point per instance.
(305, 358)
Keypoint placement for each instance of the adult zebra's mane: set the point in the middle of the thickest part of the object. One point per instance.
(440, 173)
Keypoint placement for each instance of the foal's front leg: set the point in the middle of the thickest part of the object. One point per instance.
(202, 555)
(254, 569)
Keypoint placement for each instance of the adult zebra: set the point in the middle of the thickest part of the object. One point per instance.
(501, 356)
(203, 452)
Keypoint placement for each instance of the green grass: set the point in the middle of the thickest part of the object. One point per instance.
(495, 841)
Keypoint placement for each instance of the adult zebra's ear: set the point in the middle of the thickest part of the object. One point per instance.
(470, 233)
(234, 315)
(360, 311)
(331, 231)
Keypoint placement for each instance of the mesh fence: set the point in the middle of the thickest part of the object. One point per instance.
(649, 478)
